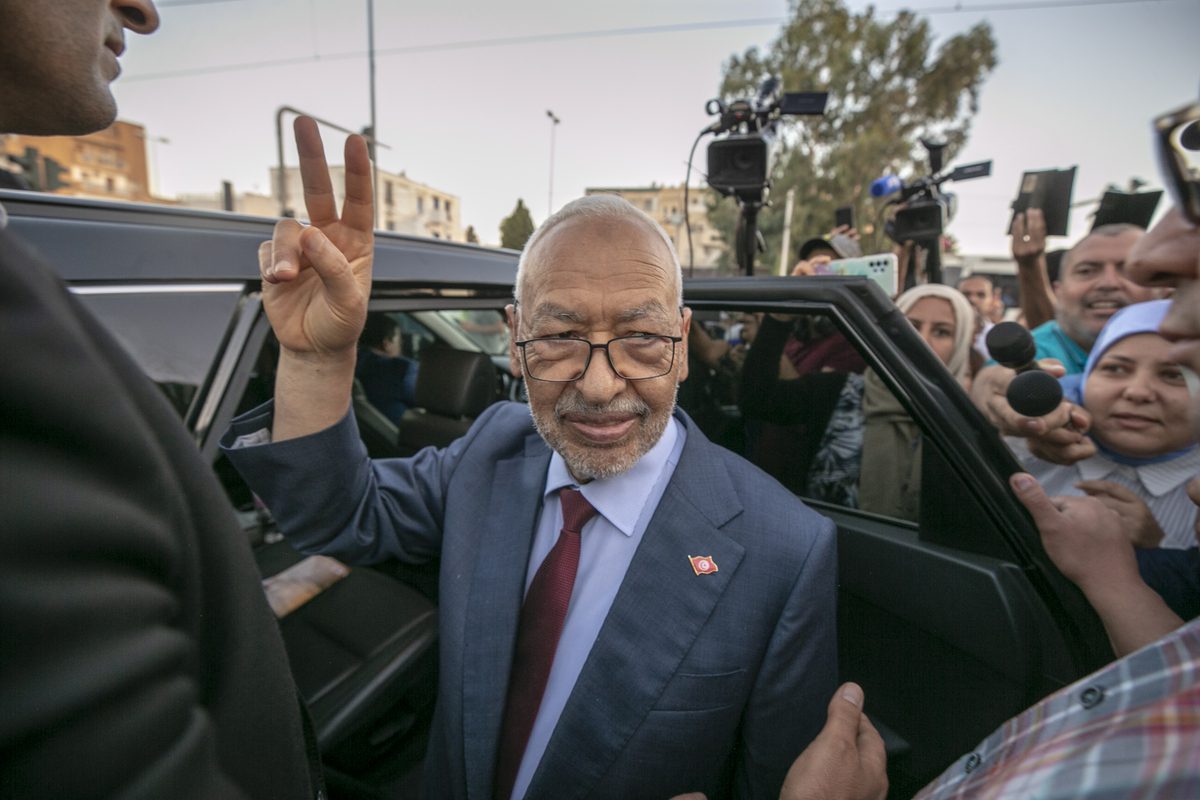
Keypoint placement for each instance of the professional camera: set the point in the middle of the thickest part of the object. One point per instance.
(739, 164)
(925, 209)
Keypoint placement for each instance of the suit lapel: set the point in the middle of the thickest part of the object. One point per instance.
(656, 616)
(506, 537)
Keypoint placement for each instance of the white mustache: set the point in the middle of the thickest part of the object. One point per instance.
(575, 404)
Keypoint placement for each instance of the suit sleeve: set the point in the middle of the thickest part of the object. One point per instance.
(797, 678)
(328, 497)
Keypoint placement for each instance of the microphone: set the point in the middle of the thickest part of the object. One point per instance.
(1032, 393)
(888, 184)
(1013, 346)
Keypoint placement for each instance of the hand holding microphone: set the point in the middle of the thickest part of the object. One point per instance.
(1033, 392)
(1030, 404)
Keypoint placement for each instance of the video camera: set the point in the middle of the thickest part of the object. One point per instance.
(925, 209)
(739, 164)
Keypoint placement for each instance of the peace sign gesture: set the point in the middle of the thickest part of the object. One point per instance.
(316, 279)
(316, 282)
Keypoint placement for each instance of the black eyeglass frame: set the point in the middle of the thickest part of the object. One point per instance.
(1185, 191)
(592, 347)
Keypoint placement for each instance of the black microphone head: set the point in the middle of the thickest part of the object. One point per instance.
(1010, 344)
(1034, 393)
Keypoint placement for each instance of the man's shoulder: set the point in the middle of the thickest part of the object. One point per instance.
(1046, 332)
(766, 508)
(1053, 342)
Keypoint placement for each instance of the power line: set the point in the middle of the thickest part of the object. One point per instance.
(606, 33)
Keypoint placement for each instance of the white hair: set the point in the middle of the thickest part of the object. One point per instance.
(602, 207)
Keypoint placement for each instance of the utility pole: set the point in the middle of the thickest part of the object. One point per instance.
(374, 130)
(553, 125)
(787, 232)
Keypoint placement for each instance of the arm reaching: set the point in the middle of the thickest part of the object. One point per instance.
(1058, 437)
(846, 761)
(316, 281)
(1029, 251)
(1087, 542)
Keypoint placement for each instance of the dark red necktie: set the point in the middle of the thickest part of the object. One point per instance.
(541, 624)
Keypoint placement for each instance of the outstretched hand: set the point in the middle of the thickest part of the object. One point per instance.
(1084, 538)
(1141, 528)
(846, 761)
(317, 279)
(1086, 541)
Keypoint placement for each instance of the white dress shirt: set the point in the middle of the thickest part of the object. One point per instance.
(624, 504)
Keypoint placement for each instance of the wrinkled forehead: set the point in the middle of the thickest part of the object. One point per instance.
(603, 256)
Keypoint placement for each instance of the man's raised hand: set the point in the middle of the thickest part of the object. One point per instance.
(317, 279)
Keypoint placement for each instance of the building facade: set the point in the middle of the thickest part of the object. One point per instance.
(108, 164)
(403, 205)
(665, 206)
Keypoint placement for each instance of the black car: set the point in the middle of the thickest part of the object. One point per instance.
(952, 620)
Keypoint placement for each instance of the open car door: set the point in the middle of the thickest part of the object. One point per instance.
(950, 615)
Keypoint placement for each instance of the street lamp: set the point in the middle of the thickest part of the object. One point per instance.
(553, 124)
(152, 172)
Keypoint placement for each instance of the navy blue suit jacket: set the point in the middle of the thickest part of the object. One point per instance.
(708, 683)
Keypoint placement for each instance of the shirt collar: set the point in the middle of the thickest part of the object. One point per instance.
(621, 498)
(1158, 478)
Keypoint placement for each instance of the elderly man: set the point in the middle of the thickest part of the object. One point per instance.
(138, 656)
(626, 609)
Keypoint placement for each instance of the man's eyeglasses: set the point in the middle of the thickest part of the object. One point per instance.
(1178, 146)
(636, 357)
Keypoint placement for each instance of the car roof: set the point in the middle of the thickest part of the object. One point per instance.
(150, 243)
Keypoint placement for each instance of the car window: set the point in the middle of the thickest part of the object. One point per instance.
(395, 347)
(486, 327)
(796, 397)
(173, 333)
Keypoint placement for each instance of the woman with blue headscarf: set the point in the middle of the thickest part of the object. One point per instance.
(1146, 448)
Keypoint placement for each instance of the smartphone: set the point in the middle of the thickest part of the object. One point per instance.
(880, 268)
(844, 216)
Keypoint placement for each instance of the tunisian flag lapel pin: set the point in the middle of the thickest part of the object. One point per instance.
(703, 565)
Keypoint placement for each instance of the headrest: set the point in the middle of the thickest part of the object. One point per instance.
(455, 383)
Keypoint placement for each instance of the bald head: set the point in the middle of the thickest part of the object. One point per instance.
(603, 211)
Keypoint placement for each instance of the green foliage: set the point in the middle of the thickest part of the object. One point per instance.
(517, 227)
(886, 91)
(471, 235)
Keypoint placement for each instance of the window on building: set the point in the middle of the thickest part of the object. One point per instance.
(447, 209)
(437, 203)
(420, 205)
(388, 197)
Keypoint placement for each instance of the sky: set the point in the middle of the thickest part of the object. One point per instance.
(463, 86)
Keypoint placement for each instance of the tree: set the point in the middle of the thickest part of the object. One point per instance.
(517, 227)
(472, 236)
(886, 92)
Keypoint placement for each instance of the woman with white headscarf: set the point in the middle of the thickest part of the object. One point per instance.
(890, 476)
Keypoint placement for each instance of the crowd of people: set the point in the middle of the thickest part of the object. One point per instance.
(626, 608)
